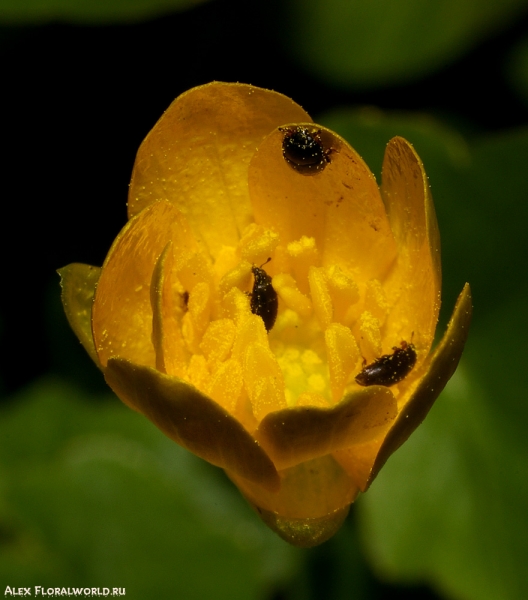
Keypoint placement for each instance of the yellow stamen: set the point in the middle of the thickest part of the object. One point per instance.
(367, 332)
(321, 299)
(376, 300)
(344, 291)
(263, 380)
(225, 386)
(286, 286)
(343, 353)
(257, 244)
(218, 340)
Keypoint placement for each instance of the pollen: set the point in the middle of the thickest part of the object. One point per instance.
(257, 244)
(286, 286)
(329, 321)
(320, 296)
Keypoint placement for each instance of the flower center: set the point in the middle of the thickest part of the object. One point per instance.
(328, 323)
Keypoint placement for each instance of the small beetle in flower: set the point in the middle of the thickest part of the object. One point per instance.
(264, 300)
(389, 369)
(303, 149)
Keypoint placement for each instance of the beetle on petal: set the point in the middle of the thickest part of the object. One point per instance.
(271, 393)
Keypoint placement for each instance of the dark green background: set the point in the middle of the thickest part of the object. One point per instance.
(91, 494)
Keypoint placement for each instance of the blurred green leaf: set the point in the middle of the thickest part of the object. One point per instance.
(93, 495)
(363, 43)
(33, 12)
(449, 508)
(517, 69)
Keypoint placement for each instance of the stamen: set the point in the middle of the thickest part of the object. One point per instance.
(198, 373)
(376, 300)
(263, 380)
(286, 286)
(303, 254)
(218, 340)
(225, 386)
(344, 291)
(368, 335)
(250, 330)
(258, 243)
(235, 305)
(195, 321)
(238, 277)
(322, 302)
(343, 354)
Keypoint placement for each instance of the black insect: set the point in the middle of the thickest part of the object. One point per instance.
(264, 300)
(303, 149)
(389, 368)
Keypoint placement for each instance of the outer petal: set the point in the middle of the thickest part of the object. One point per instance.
(192, 420)
(438, 370)
(295, 435)
(122, 313)
(316, 491)
(197, 156)
(78, 284)
(340, 207)
(415, 283)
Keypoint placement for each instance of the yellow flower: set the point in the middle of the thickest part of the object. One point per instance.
(176, 323)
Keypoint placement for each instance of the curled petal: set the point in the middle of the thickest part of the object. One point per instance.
(192, 420)
(78, 282)
(166, 332)
(414, 284)
(302, 433)
(122, 311)
(438, 369)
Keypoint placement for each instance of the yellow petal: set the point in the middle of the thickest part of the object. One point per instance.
(122, 313)
(197, 156)
(298, 434)
(315, 489)
(415, 283)
(192, 420)
(78, 284)
(167, 337)
(340, 207)
(437, 370)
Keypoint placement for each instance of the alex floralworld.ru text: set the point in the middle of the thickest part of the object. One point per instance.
(61, 592)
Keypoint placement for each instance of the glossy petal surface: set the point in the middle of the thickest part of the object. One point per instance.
(340, 207)
(197, 155)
